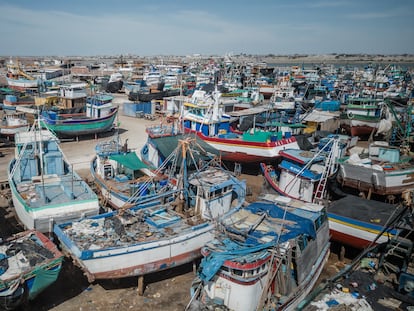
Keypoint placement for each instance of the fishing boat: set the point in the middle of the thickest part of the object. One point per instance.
(98, 117)
(13, 123)
(309, 177)
(154, 236)
(359, 222)
(212, 125)
(18, 79)
(149, 95)
(303, 174)
(164, 138)
(44, 188)
(72, 98)
(384, 170)
(12, 102)
(123, 179)
(30, 263)
(361, 116)
(268, 256)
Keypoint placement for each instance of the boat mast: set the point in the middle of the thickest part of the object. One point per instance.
(40, 153)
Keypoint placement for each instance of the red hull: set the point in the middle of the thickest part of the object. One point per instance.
(243, 157)
(349, 239)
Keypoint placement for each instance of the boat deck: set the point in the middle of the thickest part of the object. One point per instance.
(130, 227)
(54, 190)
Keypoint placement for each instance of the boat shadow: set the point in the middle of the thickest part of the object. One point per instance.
(70, 283)
(149, 279)
(107, 134)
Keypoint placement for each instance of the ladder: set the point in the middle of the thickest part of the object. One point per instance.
(275, 265)
(328, 170)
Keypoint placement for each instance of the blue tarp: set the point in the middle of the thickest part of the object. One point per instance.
(298, 170)
(229, 249)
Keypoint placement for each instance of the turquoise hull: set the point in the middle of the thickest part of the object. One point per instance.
(72, 127)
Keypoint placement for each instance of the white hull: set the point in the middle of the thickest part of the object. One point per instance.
(143, 258)
(44, 219)
(22, 83)
(243, 297)
(356, 232)
(269, 151)
(10, 131)
(378, 180)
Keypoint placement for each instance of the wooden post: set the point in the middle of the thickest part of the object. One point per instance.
(140, 288)
(369, 194)
(342, 250)
(194, 267)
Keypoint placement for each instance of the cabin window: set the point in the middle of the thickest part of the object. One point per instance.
(321, 219)
(108, 171)
(302, 242)
(217, 193)
(237, 272)
(319, 222)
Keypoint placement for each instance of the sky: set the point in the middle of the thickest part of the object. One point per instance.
(213, 27)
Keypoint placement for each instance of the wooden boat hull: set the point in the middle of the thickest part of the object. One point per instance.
(356, 234)
(385, 182)
(43, 218)
(18, 287)
(47, 193)
(83, 126)
(245, 151)
(294, 185)
(235, 274)
(357, 222)
(21, 84)
(140, 258)
(118, 199)
(10, 130)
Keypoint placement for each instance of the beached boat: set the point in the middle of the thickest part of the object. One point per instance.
(164, 138)
(385, 170)
(98, 117)
(12, 102)
(154, 236)
(303, 174)
(18, 79)
(359, 222)
(72, 98)
(123, 179)
(44, 188)
(149, 95)
(268, 256)
(256, 144)
(30, 263)
(361, 116)
(13, 123)
(266, 87)
(353, 221)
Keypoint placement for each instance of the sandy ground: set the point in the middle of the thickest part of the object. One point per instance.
(167, 290)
